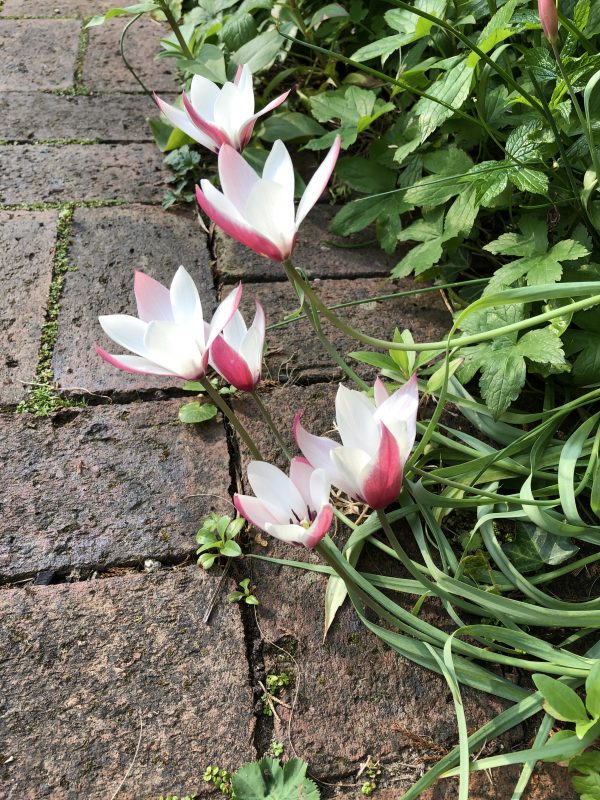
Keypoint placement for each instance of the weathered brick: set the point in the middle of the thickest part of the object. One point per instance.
(50, 174)
(103, 67)
(108, 245)
(54, 8)
(49, 64)
(295, 354)
(109, 118)
(26, 253)
(91, 669)
(318, 252)
(106, 485)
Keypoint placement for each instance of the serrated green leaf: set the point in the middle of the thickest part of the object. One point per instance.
(542, 345)
(453, 89)
(529, 180)
(522, 143)
(560, 701)
(358, 214)
(502, 378)
(421, 258)
(289, 126)
(266, 780)
(365, 175)
(193, 413)
(259, 52)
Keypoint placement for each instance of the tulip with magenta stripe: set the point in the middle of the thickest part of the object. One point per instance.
(259, 211)
(170, 337)
(236, 354)
(213, 116)
(376, 441)
(294, 509)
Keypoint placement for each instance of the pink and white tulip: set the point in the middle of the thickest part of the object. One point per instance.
(236, 354)
(294, 509)
(376, 441)
(549, 19)
(170, 337)
(259, 211)
(216, 116)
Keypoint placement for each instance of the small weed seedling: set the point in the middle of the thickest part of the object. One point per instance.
(274, 684)
(216, 538)
(245, 595)
(219, 778)
(275, 749)
(372, 772)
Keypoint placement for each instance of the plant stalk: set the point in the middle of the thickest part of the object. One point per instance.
(264, 411)
(231, 416)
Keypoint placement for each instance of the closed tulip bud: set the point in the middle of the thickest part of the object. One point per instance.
(549, 19)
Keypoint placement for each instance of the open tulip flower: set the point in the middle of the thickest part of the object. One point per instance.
(376, 441)
(216, 116)
(236, 354)
(170, 337)
(294, 509)
(259, 211)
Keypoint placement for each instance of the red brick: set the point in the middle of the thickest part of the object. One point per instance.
(109, 118)
(104, 70)
(106, 485)
(90, 669)
(54, 8)
(26, 253)
(49, 64)
(318, 252)
(50, 174)
(108, 245)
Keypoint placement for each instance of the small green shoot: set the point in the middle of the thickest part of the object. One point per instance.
(245, 595)
(275, 749)
(372, 772)
(217, 537)
(274, 684)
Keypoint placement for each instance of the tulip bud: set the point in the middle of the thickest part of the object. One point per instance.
(549, 19)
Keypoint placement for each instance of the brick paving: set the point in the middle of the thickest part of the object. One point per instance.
(109, 673)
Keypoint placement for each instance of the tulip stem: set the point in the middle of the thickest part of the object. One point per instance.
(271, 424)
(403, 556)
(312, 314)
(231, 416)
(164, 7)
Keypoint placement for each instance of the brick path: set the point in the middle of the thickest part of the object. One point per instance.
(102, 645)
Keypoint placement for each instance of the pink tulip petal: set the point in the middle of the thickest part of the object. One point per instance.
(152, 298)
(399, 413)
(132, 363)
(254, 510)
(318, 182)
(300, 473)
(383, 484)
(239, 72)
(276, 490)
(179, 119)
(246, 134)
(231, 366)
(319, 528)
(223, 313)
(315, 448)
(214, 133)
(235, 227)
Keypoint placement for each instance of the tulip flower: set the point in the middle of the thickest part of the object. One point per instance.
(549, 19)
(236, 354)
(259, 211)
(170, 337)
(213, 116)
(294, 509)
(376, 441)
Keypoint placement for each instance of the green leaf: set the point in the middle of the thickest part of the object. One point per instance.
(231, 549)
(592, 691)
(453, 89)
(193, 386)
(260, 52)
(532, 548)
(561, 701)
(586, 366)
(358, 214)
(529, 180)
(542, 345)
(421, 258)
(239, 29)
(375, 359)
(166, 136)
(522, 143)
(138, 8)
(193, 413)
(365, 175)
(267, 780)
(289, 126)
(206, 560)
(502, 378)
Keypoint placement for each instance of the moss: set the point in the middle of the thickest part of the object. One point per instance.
(51, 142)
(42, 398)
(52, 206)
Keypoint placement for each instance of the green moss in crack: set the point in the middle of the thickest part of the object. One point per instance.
(50, 142)
(42, 398)
(53, 206)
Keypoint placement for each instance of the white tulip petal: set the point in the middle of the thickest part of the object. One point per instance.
(294, 534)
(354, 414)
(320, 489)
(279, 168)
(317, 183)
(133, 363)
(223, 313)
(354, 465)
(270, 210)
(204, 94)
(276, 490)
(231, 111)
(171, 346)
(235, 331)
(251, 350)
(380, 392)
(126, 331)
(300, 473)
(399, 414)
(254, 510)
(243, 81)
(237, 177)
(186, 304)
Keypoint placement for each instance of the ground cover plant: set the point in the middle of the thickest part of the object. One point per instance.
(468, 130)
